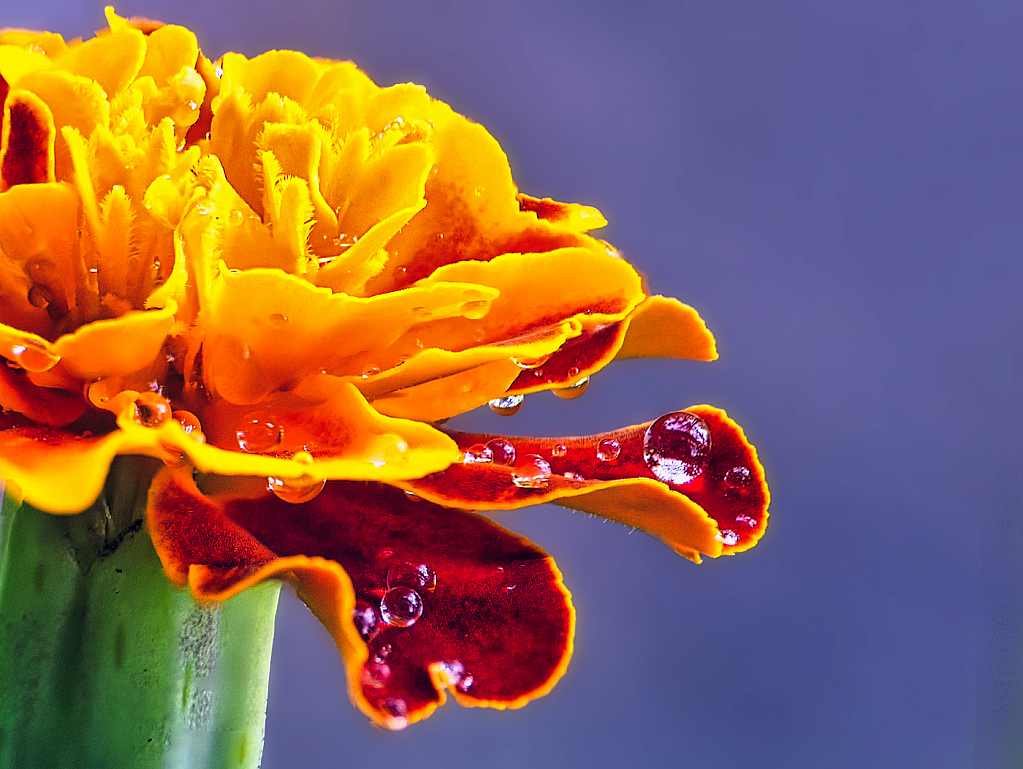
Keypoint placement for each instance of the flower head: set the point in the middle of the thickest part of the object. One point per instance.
(279, 278)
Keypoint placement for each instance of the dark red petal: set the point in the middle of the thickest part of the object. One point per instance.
(26, 153)
(496, 628)
(576, 358)
(43, 405)
(616, 475)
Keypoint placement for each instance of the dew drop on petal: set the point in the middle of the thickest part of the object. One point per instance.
(559, 450)
(33, 357)
(676, 447)
(375, 673)
(401, 606)
(370, 371)
(466, 683)
(573, 390)
(151, 410)
(396, 710)
(530, 363)
(747, 520)
(532, 472)
(478, 454)
(296, 490)
(574, 476)
(507, 406)
(190, 424)
(737, 477)
(278, 320)
(501, 451)
(365, 618)
(727, 536)
(411, 496)
(259, 432)
(418, 576)
(382, 653)
(608, 450)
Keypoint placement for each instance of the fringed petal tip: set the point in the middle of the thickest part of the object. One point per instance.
(689, 478)
(420, 599)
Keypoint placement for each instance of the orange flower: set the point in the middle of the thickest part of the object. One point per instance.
(278, 278)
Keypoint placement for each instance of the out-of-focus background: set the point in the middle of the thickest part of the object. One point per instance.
(837, 188)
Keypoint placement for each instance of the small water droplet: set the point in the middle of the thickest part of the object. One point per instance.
(375, 673)
(574, 476)
(532, 472)
(530, 363)
(574, 372)
(151, 410)
(382, 653)
(259, 432)
(411, 496)
(418, 576)
(507, 406)
(727, 536)
(190, 424)
(676, 447)
(366, 619)
(396, 710)
(32, 356)
(278, 320)
(370, 371)
(478, 454)
(466, 683)
(39, 297)
(500, 570)
(573, 390)
(559, 450)
(747, 520)
(296, 490)
(401, 606)
(737, 477)
(501, 451)
(608, 450)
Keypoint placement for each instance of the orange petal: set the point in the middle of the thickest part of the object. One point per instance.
(690, 478)
(662, 327)
(443, 598)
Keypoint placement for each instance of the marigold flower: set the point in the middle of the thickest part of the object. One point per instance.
(279, 278)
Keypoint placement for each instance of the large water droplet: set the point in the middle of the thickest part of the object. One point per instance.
(366, 619)
(676, 447)
(501, 451)
(190, 424)
(530, 363)
(608, 450)
(401, 606)
(507, 406)
(478, 454)
(532, 472)
(418, 576)
(32, 356)
(151, 409)
(737, 477)
(456, 675)
(573, 390)
(259, 432)
(296, 490)
(396, 710)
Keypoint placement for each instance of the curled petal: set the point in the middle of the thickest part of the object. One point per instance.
(690, 478)
(442, 598)
(662, 327)
(572, 215)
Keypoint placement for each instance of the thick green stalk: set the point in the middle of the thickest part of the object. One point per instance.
(104, 663)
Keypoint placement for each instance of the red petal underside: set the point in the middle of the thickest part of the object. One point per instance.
(578, 357)
(730, 487)
(27, 155)
(44, 405)
(497, 626)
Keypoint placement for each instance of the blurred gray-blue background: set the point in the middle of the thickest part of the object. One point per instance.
(836, 187)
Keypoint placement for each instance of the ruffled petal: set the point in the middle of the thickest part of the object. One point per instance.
(689, 478)
(444, 599)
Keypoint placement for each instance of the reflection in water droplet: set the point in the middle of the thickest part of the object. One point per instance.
(501, 451)
(259, 432)
(456, 676)
(370, 371)
(401, 606)
(532, 472)
(419, 576)
(530, 363)
(39, 296)
(574, 476)
(559, 450)
(747, 520)
(727, 536)
(411, 496)
(507, 406)
(676, 447)
(608, 450)
(478, 454)
(466, 683)
(296, 490)
(366, 619)
(737, 477)
(151, 410)
(573, 390)
(190, 424)
(382, 653)
(396, 709)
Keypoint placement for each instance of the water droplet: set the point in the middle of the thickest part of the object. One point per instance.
(39, 296)
(574, 476)
(530, 363)
(401, 607)
(574, 372)
(370, 371)
(500, 570)
(532, 472)
(259, 432)
(151, 410)
(737, 477)
(573, 390)
(366, 619)
(411, 496)
(478, 454)
(32, 356)
(501, 451)
(727, 536)
(507, 406)
(748, 520)
(382, 653)
(419, 576)
(608, 450)
(456, 675)
(190, 424)
(296, 490)
(396, 709)
(278, 320)
(375, 672)
(676, 447)
(466, 683)
(559, 450)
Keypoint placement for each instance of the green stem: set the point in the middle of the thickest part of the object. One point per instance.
(104, 663)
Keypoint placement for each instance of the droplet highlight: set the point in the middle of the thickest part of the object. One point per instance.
(296, 490)
(507, 406)
(259, 432)
(418, 576)
(151, 410)
(478, 454)
(502, 452)
(365, 618)
(401, 607)
(559, 450)
(676, 447)
(608, 450)
(573, 390)
(737, 478)
(532, 472)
